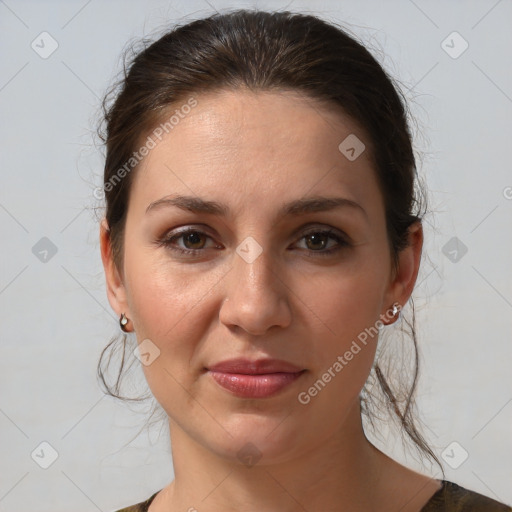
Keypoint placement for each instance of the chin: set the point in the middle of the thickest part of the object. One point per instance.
(257, 439)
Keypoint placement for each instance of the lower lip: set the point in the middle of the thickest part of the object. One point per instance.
(254, 386)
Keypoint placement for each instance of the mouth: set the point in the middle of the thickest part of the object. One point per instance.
(255, 379)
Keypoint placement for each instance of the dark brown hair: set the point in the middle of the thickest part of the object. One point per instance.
(265, 51)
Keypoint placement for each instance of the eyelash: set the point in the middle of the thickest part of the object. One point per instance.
(168, 242)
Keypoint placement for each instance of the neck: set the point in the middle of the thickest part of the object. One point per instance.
(343, 469)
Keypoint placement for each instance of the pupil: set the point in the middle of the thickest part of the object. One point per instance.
(317, 238)
(193, 238)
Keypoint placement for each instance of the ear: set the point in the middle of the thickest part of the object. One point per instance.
(403, 279)
(116, 291)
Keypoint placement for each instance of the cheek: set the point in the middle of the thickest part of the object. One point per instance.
(344, 305)
(168, 309)
(344, 313)
(173, 309)
(162, 295)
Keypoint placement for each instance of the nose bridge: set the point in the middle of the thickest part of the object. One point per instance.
(254, 270)
(257, 298)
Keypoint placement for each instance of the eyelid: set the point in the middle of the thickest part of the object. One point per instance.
(315, 227)
(303, 230)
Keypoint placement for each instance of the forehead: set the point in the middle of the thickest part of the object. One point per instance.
(244, 146)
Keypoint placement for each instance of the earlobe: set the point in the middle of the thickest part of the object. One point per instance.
(392, 314)
(116, 292)
(403, 280)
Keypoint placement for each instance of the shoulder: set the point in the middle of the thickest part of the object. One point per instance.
(450, 498)
(139, 507)
(454, 498)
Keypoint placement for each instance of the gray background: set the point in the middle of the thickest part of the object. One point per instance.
(55, 317)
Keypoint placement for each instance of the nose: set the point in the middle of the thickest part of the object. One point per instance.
(257, 298)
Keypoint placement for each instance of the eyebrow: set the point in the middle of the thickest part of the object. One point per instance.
(297, 207)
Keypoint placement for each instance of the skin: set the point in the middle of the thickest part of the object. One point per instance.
(253, 152)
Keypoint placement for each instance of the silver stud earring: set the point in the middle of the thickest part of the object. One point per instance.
(123, 321)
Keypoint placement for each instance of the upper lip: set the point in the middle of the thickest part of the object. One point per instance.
(256, 367)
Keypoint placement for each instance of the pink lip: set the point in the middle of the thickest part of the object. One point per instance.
(254, 379)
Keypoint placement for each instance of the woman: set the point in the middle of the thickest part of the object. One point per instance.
(259, 235)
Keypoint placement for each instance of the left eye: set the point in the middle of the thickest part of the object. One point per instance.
(322, 238)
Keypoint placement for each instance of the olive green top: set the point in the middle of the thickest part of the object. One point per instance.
(449, 498)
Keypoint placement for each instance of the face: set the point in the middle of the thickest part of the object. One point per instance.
(266, 274)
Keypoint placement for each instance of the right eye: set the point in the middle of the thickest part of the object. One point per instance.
(188, 237)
